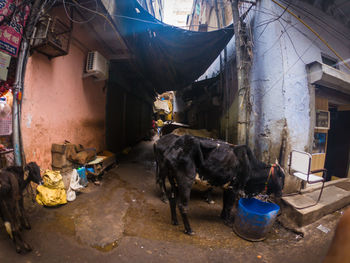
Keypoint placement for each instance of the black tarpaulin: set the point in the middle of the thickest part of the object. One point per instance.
(170, 58)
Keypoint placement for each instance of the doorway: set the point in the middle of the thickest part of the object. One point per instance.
(338, 145)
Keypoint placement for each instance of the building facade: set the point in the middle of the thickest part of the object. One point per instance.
(154, 7)
(176, 12)
(63, 102)
(299, 83)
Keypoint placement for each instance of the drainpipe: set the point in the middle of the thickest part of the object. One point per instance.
(227, 102)
(222, 89)
(36, 12)
(16, 114)
(223, 70)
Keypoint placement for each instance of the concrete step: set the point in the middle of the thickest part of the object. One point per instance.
(335, 196)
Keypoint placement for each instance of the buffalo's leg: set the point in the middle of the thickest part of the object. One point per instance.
(172, 201)
(9, 224)
(24, 218)
(163, 196)
(161, 183)
(160, 180)
(228, 202)
(184, 194)
(12, 228)
(13, 235)
(208, 195)
(20, 243)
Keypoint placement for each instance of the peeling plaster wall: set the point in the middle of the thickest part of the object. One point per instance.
(280, 92)
(59, 104)
(281, 98)
(232, 123)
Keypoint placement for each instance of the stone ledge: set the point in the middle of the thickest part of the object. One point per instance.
(333, 198)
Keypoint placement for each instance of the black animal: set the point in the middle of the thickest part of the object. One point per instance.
(217, 162)
(159, 148)
(13, 180)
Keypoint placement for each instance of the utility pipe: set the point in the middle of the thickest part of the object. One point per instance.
(221, 82)
(242, 89)
(16, 137)
(36, 12)
(227, 102)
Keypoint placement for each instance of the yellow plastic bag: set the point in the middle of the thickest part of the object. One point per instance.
(52, 193)
(50, 197)
(53, 179)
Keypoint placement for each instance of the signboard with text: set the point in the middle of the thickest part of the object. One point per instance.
(11, 31)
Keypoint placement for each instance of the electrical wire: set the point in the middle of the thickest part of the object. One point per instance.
(315, 33)
(75, 21)
(125, 17)
(270, 21)
(310, 14)
(285, 72)
(47, 9)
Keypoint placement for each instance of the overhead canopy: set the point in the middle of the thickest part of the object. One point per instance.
(170, 58)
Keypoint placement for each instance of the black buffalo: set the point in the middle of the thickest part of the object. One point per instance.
(13, 181)
(219, 163)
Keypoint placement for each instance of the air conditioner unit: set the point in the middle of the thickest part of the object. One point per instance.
(97, 66)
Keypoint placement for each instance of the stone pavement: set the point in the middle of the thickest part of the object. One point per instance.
(124, 220)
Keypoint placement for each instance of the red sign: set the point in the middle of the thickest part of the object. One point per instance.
(11, 30)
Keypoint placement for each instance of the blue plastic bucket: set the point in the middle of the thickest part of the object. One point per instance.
(254, 218)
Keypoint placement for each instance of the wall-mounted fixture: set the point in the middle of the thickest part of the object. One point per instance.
(322, 120)
(97, 66)
(51, 37)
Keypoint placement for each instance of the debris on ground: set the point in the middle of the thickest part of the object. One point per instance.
(323, 229)
(52, 193)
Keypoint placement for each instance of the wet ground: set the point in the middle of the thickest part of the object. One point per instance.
(123, 220)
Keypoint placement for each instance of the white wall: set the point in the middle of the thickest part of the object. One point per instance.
(280, 94)
(279, 87)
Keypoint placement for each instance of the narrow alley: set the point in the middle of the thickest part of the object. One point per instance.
(175, 131)
(123, 220)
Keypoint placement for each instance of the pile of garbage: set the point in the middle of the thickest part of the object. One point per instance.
(72, 166)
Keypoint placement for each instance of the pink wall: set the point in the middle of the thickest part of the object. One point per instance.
(58, 104)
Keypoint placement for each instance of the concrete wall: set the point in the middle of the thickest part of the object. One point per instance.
(280, 94)
(281, 98)
(59, 104)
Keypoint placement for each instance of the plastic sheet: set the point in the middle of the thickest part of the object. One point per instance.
(169, 57)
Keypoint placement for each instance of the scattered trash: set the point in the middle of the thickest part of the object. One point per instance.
(134, 200)
(83, 177)
(74, 185)
(258, 256)
(297, 237)
(52, 193)
(323, 229)
(97, 182)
